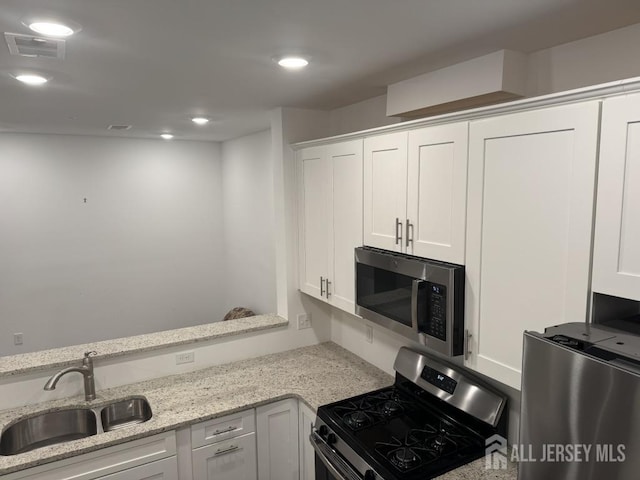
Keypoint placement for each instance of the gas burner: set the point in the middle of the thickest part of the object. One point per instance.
(442, 440)
(391, 407)
(405, 455)
(404, 458)
(357, 419)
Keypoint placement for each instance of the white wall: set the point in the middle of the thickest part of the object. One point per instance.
(369, 113)
(249, 223)
(141, 254)
(593, 60)
(599, 59)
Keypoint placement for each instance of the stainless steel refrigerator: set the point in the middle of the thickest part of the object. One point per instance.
(580, 410)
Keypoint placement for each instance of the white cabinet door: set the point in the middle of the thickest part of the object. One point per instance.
(277, 438)
(385, 190)
(166, 469)
(530, 207)
(233, 459)
(307, 419)
(346, 228)
(314, 219)
(330, 221)
(616, 259)
(437, 192)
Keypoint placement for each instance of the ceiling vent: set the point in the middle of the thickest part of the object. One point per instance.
(119, 127)
(30, 46)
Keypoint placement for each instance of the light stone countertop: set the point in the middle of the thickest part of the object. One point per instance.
(317, 375)
(67, 356)
(476, 471)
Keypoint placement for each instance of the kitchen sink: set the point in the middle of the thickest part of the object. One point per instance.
(122, 413)
(47, 429)
(61, 426)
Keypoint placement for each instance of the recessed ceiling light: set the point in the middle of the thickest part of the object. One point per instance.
(51, 29)
(166, 136)
(293, 63)
(200, 120)
(30, 79)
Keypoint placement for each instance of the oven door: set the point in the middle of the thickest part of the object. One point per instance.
(390, 298)
(330, 465)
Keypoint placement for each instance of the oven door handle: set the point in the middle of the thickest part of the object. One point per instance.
(415, 289)
(340, 469)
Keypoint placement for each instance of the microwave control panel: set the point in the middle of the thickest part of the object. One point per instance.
(437, 319)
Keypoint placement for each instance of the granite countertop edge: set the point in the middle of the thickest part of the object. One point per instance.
(25, 363)
(314, 374)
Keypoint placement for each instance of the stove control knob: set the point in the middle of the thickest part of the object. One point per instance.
(369, 475)
(323, 430)
(331, 439)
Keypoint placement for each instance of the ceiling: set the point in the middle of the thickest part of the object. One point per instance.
(156, 63)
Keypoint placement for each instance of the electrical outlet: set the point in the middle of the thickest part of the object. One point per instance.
(304, 321)
(185, 357)
(368, 330)
(17, 338)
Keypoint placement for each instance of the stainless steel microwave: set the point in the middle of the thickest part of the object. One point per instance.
(416, 297)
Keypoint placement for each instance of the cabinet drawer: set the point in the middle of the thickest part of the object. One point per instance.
(223, 428)
(233, 459)
(166, 469)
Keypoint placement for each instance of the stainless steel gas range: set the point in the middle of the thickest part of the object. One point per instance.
(434, 418)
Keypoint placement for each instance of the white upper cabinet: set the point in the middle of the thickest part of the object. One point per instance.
(330, 221)
(385, 190)
(437, 192)
(314, 219)
(616, 259)
(530, 210)
(415, 192)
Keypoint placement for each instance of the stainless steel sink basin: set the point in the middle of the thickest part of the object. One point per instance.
(47, 429)
(124, 413)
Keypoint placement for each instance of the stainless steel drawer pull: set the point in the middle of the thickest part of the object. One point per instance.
(226, 430)
(322, 286)
(231, 448)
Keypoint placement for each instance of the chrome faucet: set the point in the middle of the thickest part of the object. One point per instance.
(87, 372)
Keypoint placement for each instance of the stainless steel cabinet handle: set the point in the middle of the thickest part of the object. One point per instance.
(327, 289)
(226, 430)
(398, 231)
(322, 286)
(467, 344)
(409, 239)
(232, 448)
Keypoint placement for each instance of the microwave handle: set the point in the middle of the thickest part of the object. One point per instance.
(415, 289)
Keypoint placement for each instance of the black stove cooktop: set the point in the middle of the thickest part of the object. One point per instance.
(402, 435)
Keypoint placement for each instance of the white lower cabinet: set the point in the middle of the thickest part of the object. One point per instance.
(144, 459)
(277, 436)
(160, 470)
(224, 448)
(233, 459)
